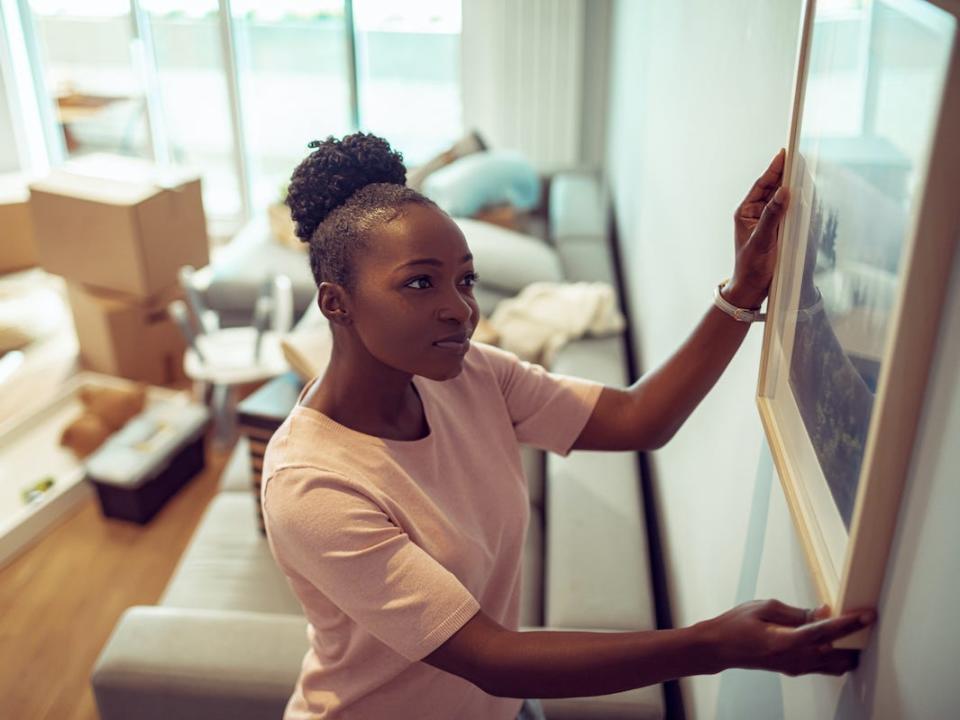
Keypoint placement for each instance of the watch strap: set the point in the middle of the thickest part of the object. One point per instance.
(737, 313)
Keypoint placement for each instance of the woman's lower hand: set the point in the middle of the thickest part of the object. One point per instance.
(755, 237)
(770, 635)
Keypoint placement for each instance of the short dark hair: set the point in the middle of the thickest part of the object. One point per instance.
(341, 191)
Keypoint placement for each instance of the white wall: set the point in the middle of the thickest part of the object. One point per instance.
(699, 99)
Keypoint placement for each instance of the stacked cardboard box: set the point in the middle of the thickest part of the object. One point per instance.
(17, 249)
(118, 230)
(127, 337)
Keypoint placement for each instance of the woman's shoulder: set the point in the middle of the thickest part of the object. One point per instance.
(483, 359)
(301, 441)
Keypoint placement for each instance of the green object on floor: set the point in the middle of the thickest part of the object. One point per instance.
(36, 491)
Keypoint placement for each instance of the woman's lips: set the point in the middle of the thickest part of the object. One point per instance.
(453, 346)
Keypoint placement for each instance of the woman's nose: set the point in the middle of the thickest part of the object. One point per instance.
(455, 306)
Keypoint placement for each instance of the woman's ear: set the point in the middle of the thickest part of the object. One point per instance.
(333, 302)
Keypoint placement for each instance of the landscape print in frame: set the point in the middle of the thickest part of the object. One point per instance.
(866, 248)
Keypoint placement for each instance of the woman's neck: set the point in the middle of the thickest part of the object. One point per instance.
(366, 399)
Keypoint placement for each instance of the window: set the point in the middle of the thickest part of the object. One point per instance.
(237, 88)
(90, 70)
(294, 70)
(193, 100)
(408, 67)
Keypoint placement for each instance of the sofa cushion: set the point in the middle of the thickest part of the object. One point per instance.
(236, 475)
(645, 703)
(531, 573)
(481, 179)
(586, 260)
(533, 467)
(186, 664)
(509, 260)
(597, 572)
(603, 359)
(228, 565)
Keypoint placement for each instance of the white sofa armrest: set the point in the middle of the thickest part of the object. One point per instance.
(578, 227)
(163, 663)
(577, 207)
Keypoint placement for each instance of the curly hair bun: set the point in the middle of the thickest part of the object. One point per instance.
(334, 171)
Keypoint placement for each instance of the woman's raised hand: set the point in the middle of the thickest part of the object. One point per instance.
(755, 237)
(769, 635)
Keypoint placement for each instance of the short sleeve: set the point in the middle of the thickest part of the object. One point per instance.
(548, 410)
(329, 532)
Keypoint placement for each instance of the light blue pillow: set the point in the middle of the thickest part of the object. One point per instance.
(491, 177)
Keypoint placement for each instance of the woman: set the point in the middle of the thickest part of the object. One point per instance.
(393, 494)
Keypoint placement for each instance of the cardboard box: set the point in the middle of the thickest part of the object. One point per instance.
(17, 248)
(125, 336)
(119, 224)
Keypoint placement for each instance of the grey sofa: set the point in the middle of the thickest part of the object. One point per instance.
(227, 638)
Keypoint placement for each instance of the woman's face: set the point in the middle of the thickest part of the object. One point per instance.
(414, 287)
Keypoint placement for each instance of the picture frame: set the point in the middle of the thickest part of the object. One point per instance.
(865, 254)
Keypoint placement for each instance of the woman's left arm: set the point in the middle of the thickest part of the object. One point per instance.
(648, 413)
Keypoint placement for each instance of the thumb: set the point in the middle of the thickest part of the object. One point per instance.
(765, 232)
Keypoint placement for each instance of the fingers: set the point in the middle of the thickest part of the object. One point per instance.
(767, 182)
(819, 613)
(752, 210)
(838, 662)
(826, 631)
(766, 231)
(782, 614)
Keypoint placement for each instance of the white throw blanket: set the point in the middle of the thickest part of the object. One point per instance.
(545, 315)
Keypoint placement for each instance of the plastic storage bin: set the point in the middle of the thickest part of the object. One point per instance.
(143, 464)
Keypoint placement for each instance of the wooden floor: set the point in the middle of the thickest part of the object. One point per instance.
(61, 598)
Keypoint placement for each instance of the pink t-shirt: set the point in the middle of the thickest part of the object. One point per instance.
(391, 546)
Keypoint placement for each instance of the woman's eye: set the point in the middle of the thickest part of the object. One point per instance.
(423, 278)
(471, 279)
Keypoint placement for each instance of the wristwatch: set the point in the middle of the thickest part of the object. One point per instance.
(737, 313)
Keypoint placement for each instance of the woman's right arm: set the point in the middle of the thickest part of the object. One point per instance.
(765, 635)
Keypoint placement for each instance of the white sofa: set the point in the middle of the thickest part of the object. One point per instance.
(227, 638)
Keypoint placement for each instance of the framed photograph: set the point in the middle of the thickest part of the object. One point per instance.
(866, 249)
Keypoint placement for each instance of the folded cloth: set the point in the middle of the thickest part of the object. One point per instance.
(546, 315)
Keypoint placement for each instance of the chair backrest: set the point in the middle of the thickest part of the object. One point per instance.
(194, 282)
(178, 312)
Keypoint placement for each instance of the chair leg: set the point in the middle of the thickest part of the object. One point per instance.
(225, 415)
(202, 392)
